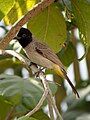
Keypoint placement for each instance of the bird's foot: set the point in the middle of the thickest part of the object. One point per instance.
(39, 71)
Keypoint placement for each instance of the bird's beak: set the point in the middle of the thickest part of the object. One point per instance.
(17, 38)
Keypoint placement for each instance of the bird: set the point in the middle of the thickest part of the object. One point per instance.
(41, 54)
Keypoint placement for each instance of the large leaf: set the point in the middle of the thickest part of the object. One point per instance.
(49, 27)
(4, 108)
(78, 108)
(39, 115)
(16, 90)
(5, 7)
(19, 9)
(26, 118)
(75, 115)
(81, 9)
(9, 63)
(19, 91)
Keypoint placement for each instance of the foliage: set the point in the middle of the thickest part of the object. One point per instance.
(53, 26)
(18, 92)
(78, 108)
(50, 22)
(5, 7)
(81, 10)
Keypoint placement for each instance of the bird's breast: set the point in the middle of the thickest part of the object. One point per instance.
(38, 58)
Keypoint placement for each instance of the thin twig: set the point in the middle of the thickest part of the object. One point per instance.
(50, 108)
(53, 103)
(47, 93)
(26, 62)
(15, 54)
(43, 78)
(40, 103)
(50, 96)
(19, 56)
(27, 17)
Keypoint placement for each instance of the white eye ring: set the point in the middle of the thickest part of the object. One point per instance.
(24, 35)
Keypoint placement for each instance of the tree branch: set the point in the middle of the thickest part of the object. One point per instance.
(33, 12)
(40, 103)
(50, 107)
(47, 93)
(43, 78)
(59, 117)
(23, 59)
(5, 41)
(50, 98)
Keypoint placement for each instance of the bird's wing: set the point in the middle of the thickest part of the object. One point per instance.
(46, 52)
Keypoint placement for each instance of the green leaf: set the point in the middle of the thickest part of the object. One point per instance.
(5, 7)
(81, 9)
(6, 63)
(4, 108)
(26, 118)
(19, 9)
(78, 108)
(49, 27)
(72, 115)
(67, 54)
(19, 91)
(40, 115)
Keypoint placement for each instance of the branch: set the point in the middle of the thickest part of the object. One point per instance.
(47, 93)
(43, 78)
(40, 103)
(50, 98)
(26, 62)
(50, 107)
(28, 16)
(23, 59)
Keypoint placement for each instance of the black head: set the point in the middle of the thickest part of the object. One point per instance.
(24, 37)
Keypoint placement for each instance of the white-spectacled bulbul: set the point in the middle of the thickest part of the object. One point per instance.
(42, 55)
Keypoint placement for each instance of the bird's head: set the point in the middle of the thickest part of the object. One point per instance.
(24, 37)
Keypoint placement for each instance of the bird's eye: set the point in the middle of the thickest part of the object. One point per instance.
(24, 35)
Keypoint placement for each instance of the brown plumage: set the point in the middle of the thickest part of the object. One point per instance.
(42, 55)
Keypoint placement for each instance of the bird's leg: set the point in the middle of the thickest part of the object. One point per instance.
(39, 71)
(36, 69)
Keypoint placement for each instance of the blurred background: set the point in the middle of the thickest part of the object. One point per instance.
(69, 51)
(78, 72)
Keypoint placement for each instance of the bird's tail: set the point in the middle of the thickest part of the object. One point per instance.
(63, 74)
(72, 86)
